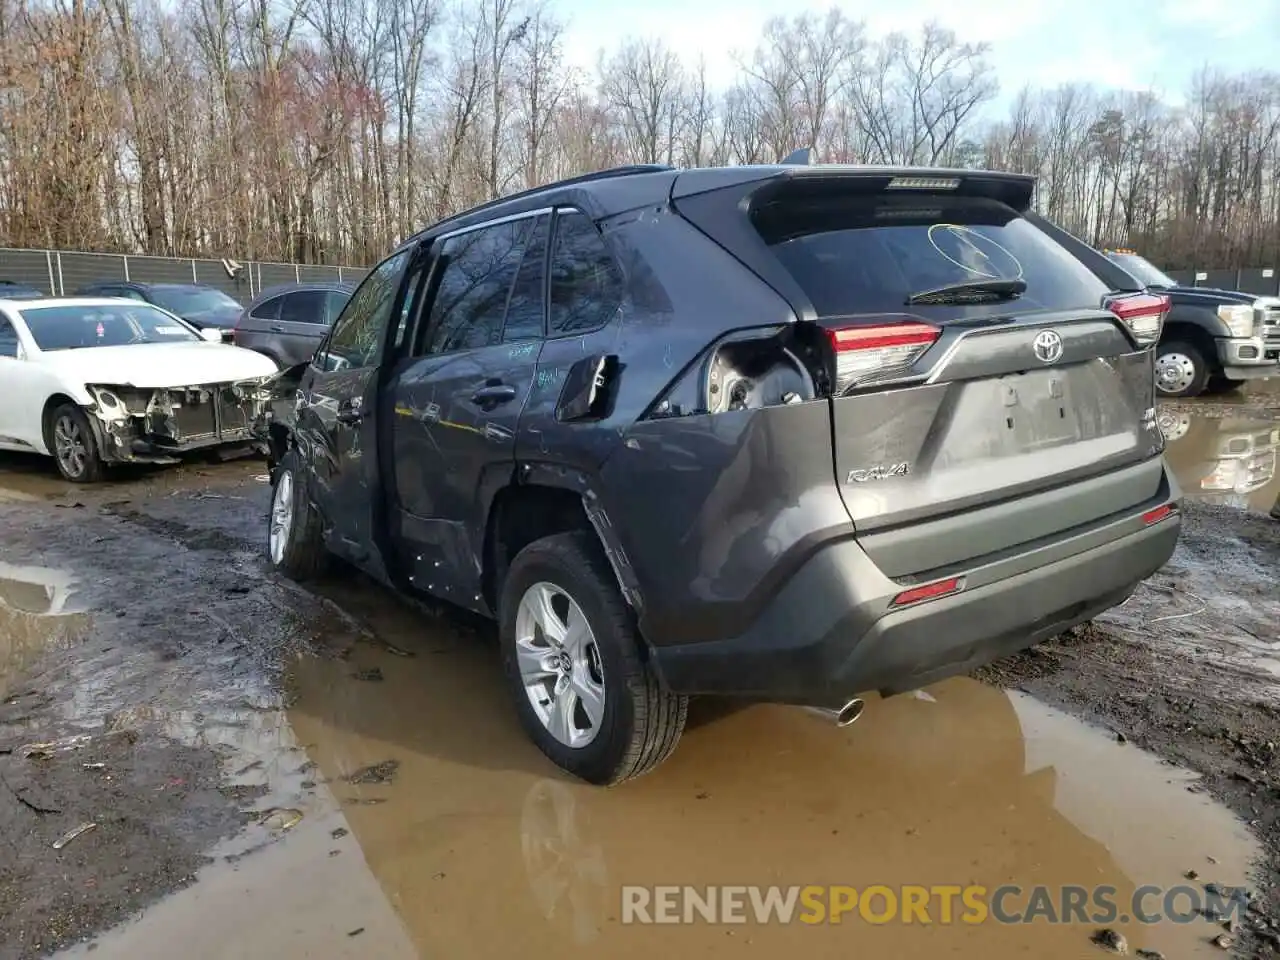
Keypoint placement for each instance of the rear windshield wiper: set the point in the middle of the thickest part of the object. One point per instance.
(972, 291)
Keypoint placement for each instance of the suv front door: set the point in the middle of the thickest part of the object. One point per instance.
(335, 429)
(458, 400)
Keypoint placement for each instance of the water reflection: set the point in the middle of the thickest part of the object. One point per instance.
(1224, 461)
(485, 851)
(36, 614)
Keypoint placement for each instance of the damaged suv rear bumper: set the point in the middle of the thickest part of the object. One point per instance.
(157, 426)
(832, 631)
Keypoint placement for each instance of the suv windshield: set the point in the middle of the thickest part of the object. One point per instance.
(188, 301)
(1143, 269)
(70, 328)
(864, 254)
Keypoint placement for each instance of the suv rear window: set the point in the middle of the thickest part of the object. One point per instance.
(868, 254)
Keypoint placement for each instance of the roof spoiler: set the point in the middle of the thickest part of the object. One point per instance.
(795, 176)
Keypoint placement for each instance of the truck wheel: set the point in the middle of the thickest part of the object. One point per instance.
(1219, 385)
(572, 659)
(74, 445)
(1181, 370)
(295, 545)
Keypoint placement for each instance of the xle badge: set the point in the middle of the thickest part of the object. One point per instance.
(882, 472)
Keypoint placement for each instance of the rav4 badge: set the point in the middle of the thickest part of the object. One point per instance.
(881, 472)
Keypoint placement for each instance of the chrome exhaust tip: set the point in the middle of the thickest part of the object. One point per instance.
(843, 716)
(850, 712)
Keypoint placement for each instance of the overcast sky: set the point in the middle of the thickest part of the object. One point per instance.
(1131, 44)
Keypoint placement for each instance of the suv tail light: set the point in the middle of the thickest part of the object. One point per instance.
(1142, 313)
(872, 351)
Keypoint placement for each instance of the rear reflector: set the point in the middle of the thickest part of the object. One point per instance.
(1158, 514)
(928, 592)
(1142, 313)
(875, 350)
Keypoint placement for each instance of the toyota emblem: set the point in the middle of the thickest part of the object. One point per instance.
(1048, 346)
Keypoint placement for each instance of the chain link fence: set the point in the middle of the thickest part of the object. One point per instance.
(62, 273)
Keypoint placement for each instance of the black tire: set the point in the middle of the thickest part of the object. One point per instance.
(1190, 370)
(69, 418)
(1220, 385)
(302, 555)
(641, 722)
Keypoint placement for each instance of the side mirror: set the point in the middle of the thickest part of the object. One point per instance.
(211, 334)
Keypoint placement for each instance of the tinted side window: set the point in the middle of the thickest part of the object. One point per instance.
(8, 339)
(527, 309)
(586, 285)
(471, 298)
(269, 310)
(357, 334)
(334, 302)
(303, 306)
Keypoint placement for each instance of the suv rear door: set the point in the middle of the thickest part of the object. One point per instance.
(458, 398)
(956, 418)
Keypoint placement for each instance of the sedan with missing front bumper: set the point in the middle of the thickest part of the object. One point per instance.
(140, 425)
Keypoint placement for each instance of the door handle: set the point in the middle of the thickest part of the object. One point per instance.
(276, 328)
(494, 394)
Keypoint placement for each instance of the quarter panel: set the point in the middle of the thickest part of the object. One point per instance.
(683, 292)
(717, 510)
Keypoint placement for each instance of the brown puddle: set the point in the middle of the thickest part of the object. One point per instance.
(35, 616)
(476, 847)
(484, 850)
(28, 477)
(1229, 462)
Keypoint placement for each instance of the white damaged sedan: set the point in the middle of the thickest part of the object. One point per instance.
(95, 381)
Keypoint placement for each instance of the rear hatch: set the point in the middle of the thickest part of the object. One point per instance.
(963, 421)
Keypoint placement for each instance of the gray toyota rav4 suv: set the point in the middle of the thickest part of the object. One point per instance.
(786, 433)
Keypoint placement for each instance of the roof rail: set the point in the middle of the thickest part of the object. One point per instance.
(625, 171)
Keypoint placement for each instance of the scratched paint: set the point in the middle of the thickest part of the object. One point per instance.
(522, 351)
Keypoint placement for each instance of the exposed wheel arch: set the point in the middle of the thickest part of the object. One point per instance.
(518, 515)
(552, 501)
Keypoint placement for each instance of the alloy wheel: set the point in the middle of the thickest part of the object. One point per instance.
(560, 665)
(281, 517)
(69, 446)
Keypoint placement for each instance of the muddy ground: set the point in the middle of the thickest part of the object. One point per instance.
(281, 744)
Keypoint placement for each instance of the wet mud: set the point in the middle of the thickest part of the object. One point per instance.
(1258, 400)
(333, 771)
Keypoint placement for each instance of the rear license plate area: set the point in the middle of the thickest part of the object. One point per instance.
(1036, 410)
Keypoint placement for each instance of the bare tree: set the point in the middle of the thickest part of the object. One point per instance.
(541, 85)
(643, 82)
(329, 130)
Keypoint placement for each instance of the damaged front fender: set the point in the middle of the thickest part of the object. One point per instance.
(156, 425)
(278, 413)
